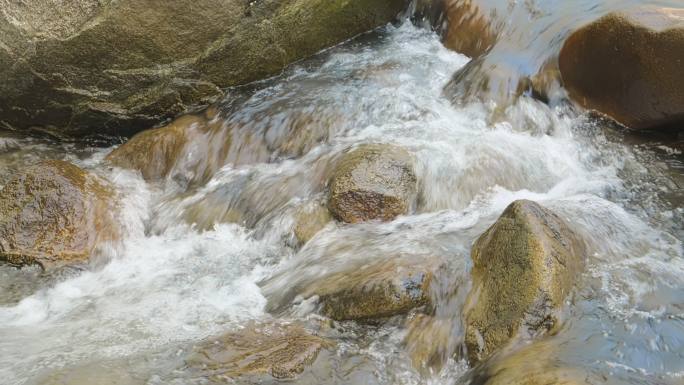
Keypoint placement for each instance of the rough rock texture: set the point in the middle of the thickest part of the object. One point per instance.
(282, 351)
(309, 220)
(372, 182)
(104, 66)
(629, 66)
(376, 291)
(524, 267)
(54, 214)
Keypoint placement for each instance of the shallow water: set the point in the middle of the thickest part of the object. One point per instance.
(183, 273)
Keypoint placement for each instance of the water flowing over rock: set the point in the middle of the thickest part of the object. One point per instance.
(629, 65)
(280, 350)
(524, 267)
(310, 218)
(372, 182)
(470, 29)
(535, 364)
(54, 214)
(93, 67)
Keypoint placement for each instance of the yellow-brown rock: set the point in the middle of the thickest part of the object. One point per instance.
(525, 265)
(280, 350)
(54, 214)
(372, 182)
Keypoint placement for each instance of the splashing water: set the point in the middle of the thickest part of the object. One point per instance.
(183, 273)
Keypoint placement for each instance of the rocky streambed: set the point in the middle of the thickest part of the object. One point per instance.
(387, 211)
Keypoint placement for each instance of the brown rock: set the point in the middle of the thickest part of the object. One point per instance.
(372, 182)
(279, 350)
(524, 267)
(54, 214)
(469, 29)
(629, 65)
(376, 291)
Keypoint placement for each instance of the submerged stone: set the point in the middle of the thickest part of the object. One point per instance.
(372, 182)
(54, 214)
(309, 220)
(470, 30)
(524, 266)
(629, 65)
(535, 364)
(116, 67)
(280, 350)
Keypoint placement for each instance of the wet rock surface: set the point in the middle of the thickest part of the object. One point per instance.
(470, 28)
(116, 67)
(376, 291)
(54, 214)
(535, 364)
(524, 267)
(282, 351)
(310, 218)
(372, 182)
(629, 65)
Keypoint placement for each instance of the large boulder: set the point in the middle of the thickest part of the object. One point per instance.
(372, 182)
(280, 350)
(104, 66)
(524, 266)
(629, 65)
(54, 214)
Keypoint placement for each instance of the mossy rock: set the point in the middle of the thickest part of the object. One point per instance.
(524, 266)
(280, 350)
(376, 291)
(116, 67)
(54, 214)
(372, 182)
(629, 65)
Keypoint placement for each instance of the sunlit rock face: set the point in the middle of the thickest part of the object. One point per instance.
(116, 67)
(54, 214)
(629, 65)
(372, 182)
(524, 267)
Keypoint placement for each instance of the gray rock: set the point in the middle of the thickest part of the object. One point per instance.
(103, 66)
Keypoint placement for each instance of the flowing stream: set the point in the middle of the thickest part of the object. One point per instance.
(187, 270)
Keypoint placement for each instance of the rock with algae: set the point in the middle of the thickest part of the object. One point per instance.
(54, 214)
(524, 266)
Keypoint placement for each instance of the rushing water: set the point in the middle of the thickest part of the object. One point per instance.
(133, 315)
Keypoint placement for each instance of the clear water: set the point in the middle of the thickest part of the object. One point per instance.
(132, 316)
